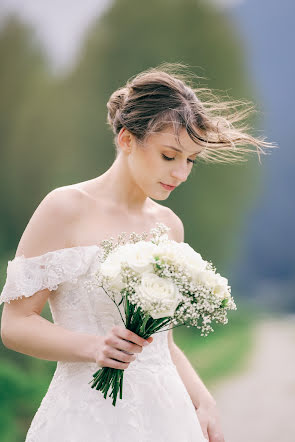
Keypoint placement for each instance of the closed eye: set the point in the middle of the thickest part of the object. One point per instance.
(170, 159)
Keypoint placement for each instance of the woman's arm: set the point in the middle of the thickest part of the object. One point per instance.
(205, 405)
(193, 383)
(25, 331)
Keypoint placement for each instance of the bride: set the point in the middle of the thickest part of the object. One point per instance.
(161, 127)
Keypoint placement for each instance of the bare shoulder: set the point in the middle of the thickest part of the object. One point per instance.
(168, 217)
(49, 227)
(67, 199)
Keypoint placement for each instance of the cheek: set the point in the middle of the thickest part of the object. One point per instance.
(149, 165)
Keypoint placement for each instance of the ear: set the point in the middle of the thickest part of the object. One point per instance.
(125, 140)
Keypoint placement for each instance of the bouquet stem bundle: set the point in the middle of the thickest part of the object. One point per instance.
(144, 326)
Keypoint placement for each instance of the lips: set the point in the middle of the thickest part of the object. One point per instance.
(167, 186)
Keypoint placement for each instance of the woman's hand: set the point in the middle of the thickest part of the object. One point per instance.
(117, 348)
(210, 422)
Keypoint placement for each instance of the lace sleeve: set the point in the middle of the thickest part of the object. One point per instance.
(26, 276)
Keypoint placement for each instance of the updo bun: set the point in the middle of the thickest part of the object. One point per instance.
(115, 106)
(161, 97)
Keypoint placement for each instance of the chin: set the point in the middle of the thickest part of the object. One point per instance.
(159, 197)
(156, 194)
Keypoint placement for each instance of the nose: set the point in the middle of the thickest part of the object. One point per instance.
(180, 172)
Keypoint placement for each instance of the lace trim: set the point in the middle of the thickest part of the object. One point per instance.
(26, 276)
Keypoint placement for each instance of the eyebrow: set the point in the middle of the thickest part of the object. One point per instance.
(178, 150)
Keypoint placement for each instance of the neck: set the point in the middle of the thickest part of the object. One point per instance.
(119, 186)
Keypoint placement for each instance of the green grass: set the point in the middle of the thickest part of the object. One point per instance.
(21, 394)
(223, 352)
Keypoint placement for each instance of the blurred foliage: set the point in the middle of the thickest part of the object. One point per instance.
(53, 132)
(21, 393)
(23, 79)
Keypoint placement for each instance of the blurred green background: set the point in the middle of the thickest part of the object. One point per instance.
(53, 133)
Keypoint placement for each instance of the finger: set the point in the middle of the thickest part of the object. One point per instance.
(127, 352)
(113, 363)
(114, 341)
(119, 355)
(205, 433)
(128, 335)
(216, 434)
(216, 437)
(128, 346)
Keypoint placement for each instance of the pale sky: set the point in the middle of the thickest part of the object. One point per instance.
(61, 24)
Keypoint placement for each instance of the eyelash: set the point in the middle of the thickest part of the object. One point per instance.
(170, 159)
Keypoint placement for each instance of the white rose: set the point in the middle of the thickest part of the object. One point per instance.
(169, 252)
(111, 269)
(182, 254)
(215, 282)
(206, 277)
(159, 296)
(193, 260)
(139, 256)
(221, 287)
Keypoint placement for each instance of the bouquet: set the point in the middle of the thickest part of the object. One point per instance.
(159, 282)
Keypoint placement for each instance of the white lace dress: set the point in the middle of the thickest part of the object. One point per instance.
(155, 407)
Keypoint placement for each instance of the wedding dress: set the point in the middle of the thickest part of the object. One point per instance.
(155, 407)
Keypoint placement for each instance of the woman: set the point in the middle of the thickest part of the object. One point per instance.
(161, 127)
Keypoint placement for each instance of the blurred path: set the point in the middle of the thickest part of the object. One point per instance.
(259, 405)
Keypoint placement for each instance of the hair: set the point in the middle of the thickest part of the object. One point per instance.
(160, 97)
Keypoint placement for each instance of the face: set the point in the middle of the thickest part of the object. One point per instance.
(161, 165)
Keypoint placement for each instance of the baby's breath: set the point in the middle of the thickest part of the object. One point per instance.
(157, 234)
